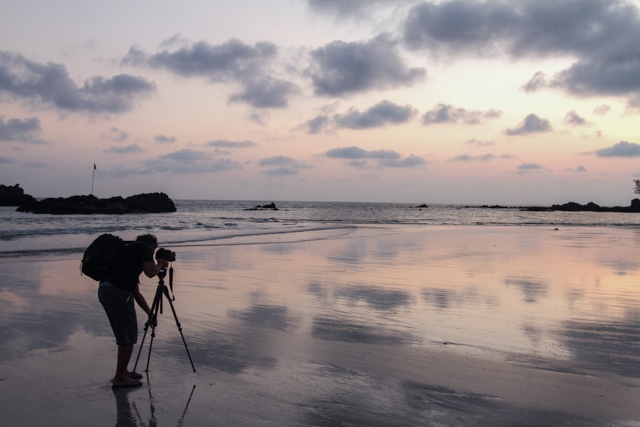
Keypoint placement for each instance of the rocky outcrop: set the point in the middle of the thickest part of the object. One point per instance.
(14, 196)
(422, 206)
(571, 207)
(270, 206)
(88, 205)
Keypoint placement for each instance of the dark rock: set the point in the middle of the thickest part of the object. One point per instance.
(14, 196)
(422, 206)
(87, 205)
(270, 206)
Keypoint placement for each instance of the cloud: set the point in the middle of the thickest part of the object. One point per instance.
(318, 124)
(601, 35)
(621, 149)
(343, 8)
(358, 157)
(163, 139)
(528, 167)
(381, 114)
(602, 110)
(340, 68)
(479, 143)
(266, 92)
(469, 158)
(572, 118)
(224, 143)
(231, 61)
(133, 148)
(538, 81)
(187, 161)
(578, 169)
(5, 160)
(531, 124)
(50, 85)
(284, 166)
(443, 113)
(26, 130)
(115, 134)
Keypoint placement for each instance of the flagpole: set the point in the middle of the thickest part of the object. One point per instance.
(93, 178)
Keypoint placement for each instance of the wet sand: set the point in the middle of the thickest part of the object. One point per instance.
(393, 326)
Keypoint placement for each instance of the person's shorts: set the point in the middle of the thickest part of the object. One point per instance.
(118, 305)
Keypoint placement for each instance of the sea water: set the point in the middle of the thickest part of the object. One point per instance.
(199, 221)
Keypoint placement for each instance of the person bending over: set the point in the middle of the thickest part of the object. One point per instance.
(116, 294)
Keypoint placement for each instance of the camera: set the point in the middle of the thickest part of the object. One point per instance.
(163, 253)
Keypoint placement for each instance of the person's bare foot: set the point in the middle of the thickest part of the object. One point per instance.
(125, 382)
(133, 375)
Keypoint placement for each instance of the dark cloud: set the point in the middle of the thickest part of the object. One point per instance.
(528, 167)
(5, 160)
(359, 157)
(228, 61)
(601, 34)
(284, 166)
(187, 161)
(50, 85)
(531, 124)
(266, 92)
(356, 153)
(601, 110)
(133, 148)
(621, 149)
(344, 8)
(225, 143)
(381, 114)
(340, 68)
(163, 139)
(443, 113)
(232, 61)
(538, 81)
(16, 130)
(469, 158)
(572, 118)
(316, 125)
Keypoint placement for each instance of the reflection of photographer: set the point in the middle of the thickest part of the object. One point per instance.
(118, 290)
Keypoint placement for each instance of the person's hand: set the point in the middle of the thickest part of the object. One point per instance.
(153, 321)
(163, 263)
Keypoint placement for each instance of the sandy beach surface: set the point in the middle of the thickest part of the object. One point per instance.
(374, 326)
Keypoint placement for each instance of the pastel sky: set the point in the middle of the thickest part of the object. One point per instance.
(453, 101)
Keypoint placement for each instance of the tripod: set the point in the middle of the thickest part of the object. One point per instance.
(157, 306)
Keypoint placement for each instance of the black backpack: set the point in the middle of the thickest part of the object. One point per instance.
(101, 256)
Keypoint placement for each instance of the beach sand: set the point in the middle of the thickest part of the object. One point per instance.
(393, 326)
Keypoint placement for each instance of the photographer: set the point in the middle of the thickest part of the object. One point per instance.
(116, 294)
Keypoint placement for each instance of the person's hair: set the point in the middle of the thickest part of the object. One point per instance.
(149, 239)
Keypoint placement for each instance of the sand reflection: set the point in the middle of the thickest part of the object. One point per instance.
(380, 326)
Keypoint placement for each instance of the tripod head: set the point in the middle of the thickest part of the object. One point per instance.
(161, 275)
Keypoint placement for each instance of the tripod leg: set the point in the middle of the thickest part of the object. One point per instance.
(175, 316)
(154, 310)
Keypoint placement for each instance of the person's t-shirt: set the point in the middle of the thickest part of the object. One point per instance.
(125, 274)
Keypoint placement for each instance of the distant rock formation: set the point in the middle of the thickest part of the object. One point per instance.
(88, 205)
(14, 196)
(270, 206)
(573, 207)
(422, 206)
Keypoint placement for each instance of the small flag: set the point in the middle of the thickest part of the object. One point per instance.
(94, 166)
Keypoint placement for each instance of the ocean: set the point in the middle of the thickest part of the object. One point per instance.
(199, 222)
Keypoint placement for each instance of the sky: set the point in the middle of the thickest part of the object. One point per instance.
(451, 101)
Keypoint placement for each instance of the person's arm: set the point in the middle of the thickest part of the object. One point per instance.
(137, 295)
(151, 270)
